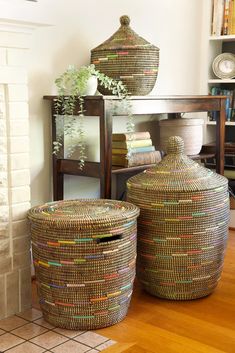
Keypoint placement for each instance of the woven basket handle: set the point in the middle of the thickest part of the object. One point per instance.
(108, 239)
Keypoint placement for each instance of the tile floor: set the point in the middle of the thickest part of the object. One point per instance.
(28, 333)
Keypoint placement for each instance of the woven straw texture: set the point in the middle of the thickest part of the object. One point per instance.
(183, 226)
(128, 57)
(84, 254)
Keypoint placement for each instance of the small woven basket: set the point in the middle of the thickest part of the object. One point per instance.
(183, 226)
(127, 57)
(84, 254)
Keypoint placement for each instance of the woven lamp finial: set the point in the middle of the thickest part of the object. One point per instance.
(175, 145)
(125, 20)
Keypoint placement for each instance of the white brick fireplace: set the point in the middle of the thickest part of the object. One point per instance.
(15, 268)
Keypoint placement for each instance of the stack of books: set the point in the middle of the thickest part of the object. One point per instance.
(141, 148)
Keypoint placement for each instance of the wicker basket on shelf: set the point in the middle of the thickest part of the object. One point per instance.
(183, 225)
(128, 57)
(84, 254)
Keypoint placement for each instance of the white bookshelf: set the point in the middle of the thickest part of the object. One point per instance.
(227, 123)
(213, 46)
(227, 38)
(219, 80)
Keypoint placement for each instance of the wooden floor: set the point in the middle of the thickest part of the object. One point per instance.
(161, 326)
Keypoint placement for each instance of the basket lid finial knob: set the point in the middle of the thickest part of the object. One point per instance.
(175, 145)
(125, 20)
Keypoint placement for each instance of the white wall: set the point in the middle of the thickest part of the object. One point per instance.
(79, 26)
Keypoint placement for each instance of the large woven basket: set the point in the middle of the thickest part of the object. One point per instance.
(128, 57)
(183, 226)
(84, 254)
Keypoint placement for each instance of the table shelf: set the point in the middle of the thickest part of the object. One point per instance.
(102, 106)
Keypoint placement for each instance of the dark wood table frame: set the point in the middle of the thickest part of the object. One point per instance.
(102, 106)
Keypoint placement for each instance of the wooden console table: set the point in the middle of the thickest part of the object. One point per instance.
(101, 106)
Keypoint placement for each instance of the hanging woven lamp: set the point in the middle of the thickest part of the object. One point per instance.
(128, 57)
(183, 225)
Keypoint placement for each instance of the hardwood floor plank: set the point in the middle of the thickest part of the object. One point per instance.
(188, 326)
(155, 338)
(132, 349)
(120, 348)
(213, 308)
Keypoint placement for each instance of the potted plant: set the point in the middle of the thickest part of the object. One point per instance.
(72, 85)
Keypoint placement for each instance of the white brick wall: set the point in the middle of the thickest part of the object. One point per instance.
(3, 145)
(18, 110)
(15, 40)
(20, 177)
(20, 194)
(11, 74)
(4, 214)
(17, 57)
(14, 172)
(4, 209)
(4, 179)
(3, 196)
(19, 161)
(19, 127)
(20, 228)
(19, 211)
(3, 162)
(18, 92)
(19, 144)
(3, 56)
(3, 130)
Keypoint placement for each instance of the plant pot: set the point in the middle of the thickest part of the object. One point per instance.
(91, 87)
(190, 130)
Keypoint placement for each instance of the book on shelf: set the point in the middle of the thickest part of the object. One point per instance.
(133, 150)
(226, 18)
(230, 17)
(217, 17)
(223, 17)
(229, 104)
(140, 158)
(233, 18)
(132, 144)
(129, 136)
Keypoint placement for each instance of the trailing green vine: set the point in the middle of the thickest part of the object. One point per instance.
(71, 86)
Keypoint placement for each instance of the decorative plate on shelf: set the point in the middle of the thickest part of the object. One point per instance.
(223, 66)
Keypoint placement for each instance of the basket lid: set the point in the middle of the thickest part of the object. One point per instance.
(83, 212)
(125, 38)
(177, 172)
